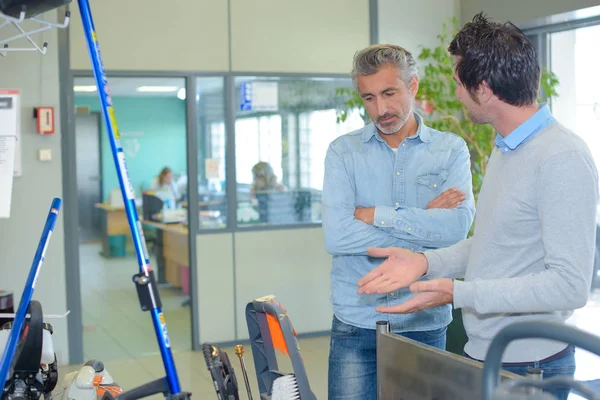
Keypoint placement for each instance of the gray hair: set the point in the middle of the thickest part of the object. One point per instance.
(370, 60)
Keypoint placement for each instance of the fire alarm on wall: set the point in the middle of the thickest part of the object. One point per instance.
(45, 120)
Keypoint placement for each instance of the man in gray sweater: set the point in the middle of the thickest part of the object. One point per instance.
(531, 255)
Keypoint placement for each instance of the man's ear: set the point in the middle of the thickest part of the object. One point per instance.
(484, 92)
(414, 86)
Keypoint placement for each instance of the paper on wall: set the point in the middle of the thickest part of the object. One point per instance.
(10, 120)
(212, 168)
(7, 166)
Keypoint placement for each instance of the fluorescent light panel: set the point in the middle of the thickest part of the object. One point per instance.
(157, 89)
(78, 88)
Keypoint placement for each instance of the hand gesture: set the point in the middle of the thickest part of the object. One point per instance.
(401, 268)
(433, 293)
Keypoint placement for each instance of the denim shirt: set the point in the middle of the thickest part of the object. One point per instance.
(362, 170)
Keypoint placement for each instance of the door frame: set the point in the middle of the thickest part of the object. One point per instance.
(69, 175)
(98, 116)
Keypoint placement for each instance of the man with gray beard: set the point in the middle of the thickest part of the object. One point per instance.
(395, 182)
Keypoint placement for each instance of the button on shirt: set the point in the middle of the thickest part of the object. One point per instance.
(362, 170)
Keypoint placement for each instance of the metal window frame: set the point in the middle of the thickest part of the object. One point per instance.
(539, 32)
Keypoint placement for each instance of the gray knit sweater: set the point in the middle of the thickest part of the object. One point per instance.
(531, 255)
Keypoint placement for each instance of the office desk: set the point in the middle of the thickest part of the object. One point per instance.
(114, 223)
(116, 219)
(172, 253)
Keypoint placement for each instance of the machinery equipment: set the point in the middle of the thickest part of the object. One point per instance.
(429, 373)
(22, 354)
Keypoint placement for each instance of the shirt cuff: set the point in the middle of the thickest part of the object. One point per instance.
(384, 217)
(435, 265)
(464, 294)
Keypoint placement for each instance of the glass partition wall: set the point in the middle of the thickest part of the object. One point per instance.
(282, 128)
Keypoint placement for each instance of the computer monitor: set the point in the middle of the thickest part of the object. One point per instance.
(151, 206)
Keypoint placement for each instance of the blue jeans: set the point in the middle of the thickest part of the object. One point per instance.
(564, 366)
(353, 359)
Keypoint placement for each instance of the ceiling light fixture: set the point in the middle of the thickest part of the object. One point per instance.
(157, 89)
(82, 88)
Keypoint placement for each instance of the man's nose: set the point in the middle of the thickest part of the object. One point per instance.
(381, 107)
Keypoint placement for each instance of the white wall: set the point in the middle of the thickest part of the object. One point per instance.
(215, 280)
(193, 35)
(37, 78)
(152, 35)
(297, 36)
(291, 264)
(413, 24)
(521, 10)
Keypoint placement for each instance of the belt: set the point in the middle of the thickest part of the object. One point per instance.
(567, 350)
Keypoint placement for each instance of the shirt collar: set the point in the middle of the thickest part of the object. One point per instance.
(422, 133)
(525, 130)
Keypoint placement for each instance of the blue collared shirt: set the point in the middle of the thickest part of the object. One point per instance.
(361, 170)
(538, 121)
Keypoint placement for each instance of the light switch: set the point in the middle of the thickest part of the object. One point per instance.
(45, 154)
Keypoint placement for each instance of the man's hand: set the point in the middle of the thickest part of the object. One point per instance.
(433, 293)
(401, 268)
(366, 215)
(451, 198)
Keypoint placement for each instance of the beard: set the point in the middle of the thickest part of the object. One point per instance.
(395, 126)
(478, 118)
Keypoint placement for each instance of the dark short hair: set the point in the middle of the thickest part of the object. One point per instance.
(499, 54)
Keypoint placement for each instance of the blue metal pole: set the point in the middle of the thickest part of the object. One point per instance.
(38, 259)
(137, 234)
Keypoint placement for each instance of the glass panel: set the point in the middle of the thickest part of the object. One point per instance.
(212, 188)
(574, 59)
(151, 116)
(152, 124)
(283, 128)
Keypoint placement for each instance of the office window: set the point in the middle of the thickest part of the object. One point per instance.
(574, 59)
(283, 128)
(260, 139)
(212, 189)
(151, 116)
(317, 130)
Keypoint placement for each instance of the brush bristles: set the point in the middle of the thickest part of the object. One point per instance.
(285, 388)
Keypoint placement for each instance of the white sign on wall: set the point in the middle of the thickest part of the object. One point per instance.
(212, 168)
(259, 96)
(7, 165)
(10, 122)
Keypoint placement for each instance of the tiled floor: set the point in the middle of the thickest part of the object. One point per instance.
(120, 334)
(114, 325)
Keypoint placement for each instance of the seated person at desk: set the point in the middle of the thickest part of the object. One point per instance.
(264, 180)
(165, 183)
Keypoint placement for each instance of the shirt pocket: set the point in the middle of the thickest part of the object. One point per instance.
(429, 186)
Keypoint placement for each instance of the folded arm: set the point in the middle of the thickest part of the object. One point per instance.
(435, 227)
(344, 234)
